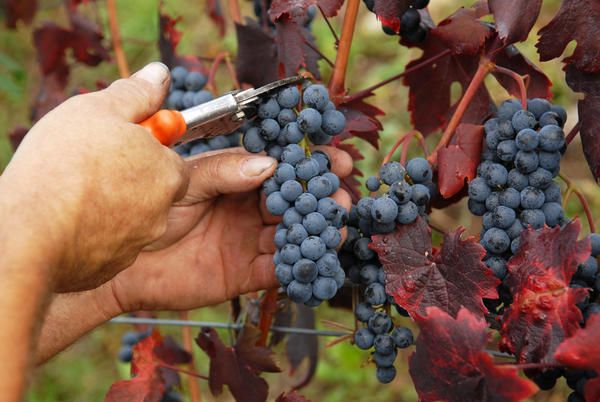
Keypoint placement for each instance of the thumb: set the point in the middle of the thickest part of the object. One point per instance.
(226, 173)
(139, 96)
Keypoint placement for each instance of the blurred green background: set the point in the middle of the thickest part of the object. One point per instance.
(85, 371)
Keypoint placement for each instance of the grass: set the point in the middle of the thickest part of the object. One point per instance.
(85, 371)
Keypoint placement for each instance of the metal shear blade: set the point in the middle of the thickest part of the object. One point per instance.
(227, 113)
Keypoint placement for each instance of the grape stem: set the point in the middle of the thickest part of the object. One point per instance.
(573, 188)
(184, 371)
(485, 67)
(213, 71)
(518, 79)
(403, 141)
(231, 71)
(573, 133)
(367, 91)
(525, 366)
(186, 332)
(234, 9)
(115, 36)
(338, 340)
(267, 309)
(337, 325)
(337, 38)
(337, 85)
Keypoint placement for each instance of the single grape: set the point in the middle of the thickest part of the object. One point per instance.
(292, 134)
(305, 271)
(288, 97)
(508, 109)
(320, 187)
(553, 213)
(284, 172)
(125, 353)
(314, 223)
(385, 375)
(507, 150)
(276, 204)
(549, 119)
(328, 265)
(269, 129)
(285, 117)
(384, 344)
(384, 210)
(363, 339)
(333, 122)
(385, 360)
(178, 76)
(291, 190)
(526, 161)
(403, 337)
(503, 217)
(478, 208)
(299, 292)
(488, 220)
(523, 119)
(527, 140)
(407, 213)
(320, 137)
(296, 234)
(291, 216)
(410, 21)
(533, 217)
(380, 323)
(283, 273)
(292, 154)
(401, 192)
(538, 106)
(375, 294)
(532, 198)
(202, 97)
(362, 250)
(324, 288)
(270, 186)
(595, 239)
(313, 248)
(552, 138)
(497, 265)
(419, 170)
(290, 254)
(562, 114)
(552, 193)
(363, 312)
(510, 198)
(195, 81)
(496, 175)
(492, 201)
(540, 178)
(175, 100)
(392, 172)
(420, 194)
(368, 274)
(130, 338)
(496, 241)
(307, 168)
(253, 141)
(316, 96)
(188, 99)
(373, 183)
(306, 203)
(517, 180)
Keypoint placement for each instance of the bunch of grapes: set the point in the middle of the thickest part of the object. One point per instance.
(411, 27)
(408, 193)
(187, 90)
(306, 261)
(515, 186)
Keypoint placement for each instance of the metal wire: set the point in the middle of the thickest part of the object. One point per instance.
(223, 325)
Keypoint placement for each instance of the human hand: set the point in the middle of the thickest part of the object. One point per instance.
(223, 238)
(102, 186)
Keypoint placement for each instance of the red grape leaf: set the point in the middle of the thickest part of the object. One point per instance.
(291, 397)
(450, 278)
(215, 12)
(361, 121)
(237, 367)
(257, 55)
(577, 20)
(543, 312)
(582, 351)
(19, 10)
(168, 38)
(511, 58)
(459, 161)
(390, 10)
(463, 32)
(430, 86)
(150, 378)
(293, 52)
(588, 83)
(450, 364)
(515, 18)
(289, 8)
(330, 7)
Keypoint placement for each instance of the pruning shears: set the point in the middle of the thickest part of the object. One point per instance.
(220, 116)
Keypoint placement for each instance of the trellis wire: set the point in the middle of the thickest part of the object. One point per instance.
(226, 325)
(221, 325)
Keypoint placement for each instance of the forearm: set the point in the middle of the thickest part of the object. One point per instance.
(27, 261)
(71, 316)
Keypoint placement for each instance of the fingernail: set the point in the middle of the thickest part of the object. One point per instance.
(155, 73)
(255, 166)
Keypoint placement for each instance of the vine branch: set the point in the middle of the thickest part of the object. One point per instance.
(115, 36)
(573, 133)
(485, 67)
(337, 86)
(234, 9)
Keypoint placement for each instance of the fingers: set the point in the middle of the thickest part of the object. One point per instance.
(137, 97)
(262, 275)
(266, 245)
(226, 173)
